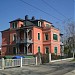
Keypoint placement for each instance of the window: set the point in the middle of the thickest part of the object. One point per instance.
(55, 50)
(46, 36)
(39, 49)
(47, 50)
(39, 23)
(38, 36)
(55, 37)
(14, 37)
(14, 25)
(47, 25)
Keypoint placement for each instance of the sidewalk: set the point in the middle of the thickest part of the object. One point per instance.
(70, 73)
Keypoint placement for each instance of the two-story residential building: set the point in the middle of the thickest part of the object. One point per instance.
(30, 36)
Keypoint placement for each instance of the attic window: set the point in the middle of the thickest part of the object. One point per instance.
(47, 25)
(14, 25)
(39, 23)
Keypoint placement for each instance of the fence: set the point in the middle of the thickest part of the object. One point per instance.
(6, 63)
(61, 59)
(0, 63)
(28, 61)
(66, 59)
(12, 62)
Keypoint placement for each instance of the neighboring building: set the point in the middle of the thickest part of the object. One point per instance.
(61, 45)
(29, 37)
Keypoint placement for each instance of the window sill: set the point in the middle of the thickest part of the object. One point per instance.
(55, 40)
(46, 40)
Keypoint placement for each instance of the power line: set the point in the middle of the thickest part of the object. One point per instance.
(53, 8)
(40, 10)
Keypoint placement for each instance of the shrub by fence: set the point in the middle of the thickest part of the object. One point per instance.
(56, 57)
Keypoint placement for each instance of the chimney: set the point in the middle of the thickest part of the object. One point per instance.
(33, 18)
(26, 17)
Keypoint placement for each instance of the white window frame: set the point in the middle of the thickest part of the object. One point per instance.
(39, 23)
(45, 37)
(13, 24)
(14, 37)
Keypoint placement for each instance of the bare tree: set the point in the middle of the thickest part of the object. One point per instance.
(70, 36)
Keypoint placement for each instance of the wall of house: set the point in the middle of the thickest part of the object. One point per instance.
(5, 37)
(50, 42)
(4, 50)
(44, 24)
(5, 42)
(46, 30)
(37, 42)
(55, 43)
(19, 24)
(12, 32)
(46, 43)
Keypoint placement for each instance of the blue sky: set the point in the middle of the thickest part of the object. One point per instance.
(13, 9)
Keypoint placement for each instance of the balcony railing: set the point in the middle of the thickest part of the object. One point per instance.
(24, 40)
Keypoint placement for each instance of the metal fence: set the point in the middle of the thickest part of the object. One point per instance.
(6, 63)
(28, 61)
(12, 62)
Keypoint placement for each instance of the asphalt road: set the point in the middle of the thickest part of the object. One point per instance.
(57, 68)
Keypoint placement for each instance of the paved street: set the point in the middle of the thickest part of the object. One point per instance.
(57, 68)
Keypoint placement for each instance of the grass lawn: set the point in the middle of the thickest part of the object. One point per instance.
(73, 60)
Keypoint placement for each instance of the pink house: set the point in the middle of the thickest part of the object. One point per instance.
(30, 36)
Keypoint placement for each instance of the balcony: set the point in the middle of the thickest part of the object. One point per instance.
(24, 40)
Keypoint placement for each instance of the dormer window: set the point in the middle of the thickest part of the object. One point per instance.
(39, 23)
(14, 25)
(47, 25)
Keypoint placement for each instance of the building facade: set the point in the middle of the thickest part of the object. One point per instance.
(30, 36)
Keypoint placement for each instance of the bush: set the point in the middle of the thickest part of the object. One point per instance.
(55, 57)
(45, 58)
